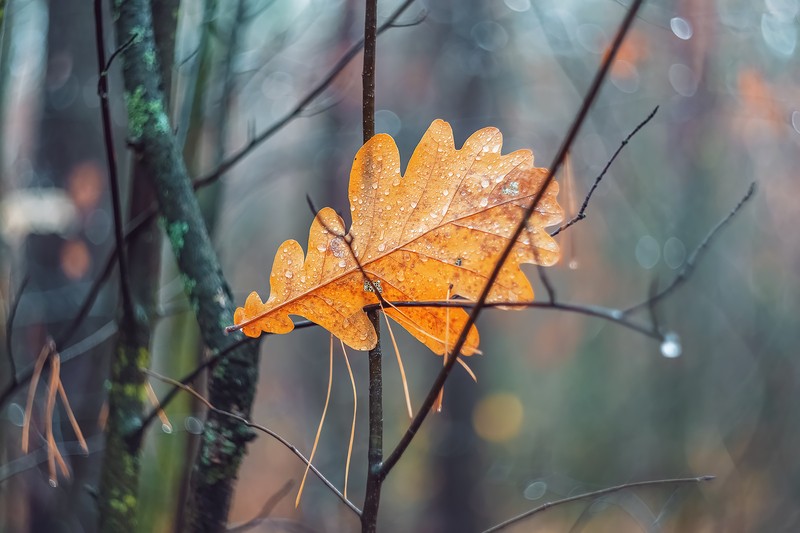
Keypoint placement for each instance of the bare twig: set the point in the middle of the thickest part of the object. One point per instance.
(266, 510)
(259, 427)
(189, 378)
(688, 267)
(372, 498)
(301, 105)
(108, 139)
(582, 212)
(596, 494)
(594, 89)
(606, 313)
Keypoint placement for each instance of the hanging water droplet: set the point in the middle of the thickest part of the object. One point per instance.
(671, 345)
(166, 428)
(53, 482)
(573, 264)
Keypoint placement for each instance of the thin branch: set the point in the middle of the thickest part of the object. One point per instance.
(548, 285)
(266, 510)
(108, 139)
(404, 442)
(189, 378)
(688, 267)
(596, 494)
(259, 427)
(40, 455)
(107, 67)
(416, 21)
(301, 105)
(582, 212)
(606, 313)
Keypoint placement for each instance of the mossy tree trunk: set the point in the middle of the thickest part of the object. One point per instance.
(232, 383)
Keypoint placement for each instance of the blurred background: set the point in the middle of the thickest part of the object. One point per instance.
(564, 403)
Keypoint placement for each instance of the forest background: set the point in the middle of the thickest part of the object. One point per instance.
(564, 403)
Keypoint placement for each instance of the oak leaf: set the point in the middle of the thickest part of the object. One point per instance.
(434, 232)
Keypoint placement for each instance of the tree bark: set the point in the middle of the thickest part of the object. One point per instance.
(233, 381)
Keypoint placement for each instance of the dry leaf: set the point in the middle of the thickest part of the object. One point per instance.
(444, 223)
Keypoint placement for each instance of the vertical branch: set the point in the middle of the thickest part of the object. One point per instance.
(368, 74)
(108, 138)
(369, 517)
(119, 480)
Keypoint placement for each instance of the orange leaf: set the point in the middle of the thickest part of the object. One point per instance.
(444, 223)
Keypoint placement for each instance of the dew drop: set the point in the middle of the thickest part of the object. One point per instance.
(396, 182)
(342, 263)
(484, 183)
(401, 275)
(322, 247)
(445, 192)
(289, 274)
(671, 345)
(381, 247)
(375, 185)
(484, 202)
(413, 205)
